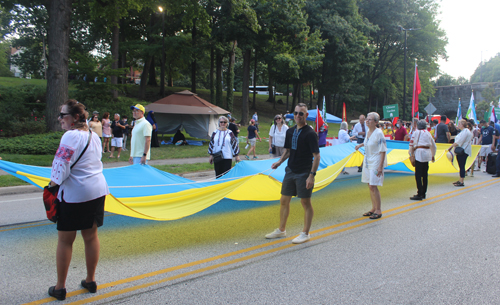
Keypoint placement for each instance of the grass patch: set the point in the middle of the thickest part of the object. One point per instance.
(9, 180)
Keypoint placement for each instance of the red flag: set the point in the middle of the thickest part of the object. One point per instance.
(319, 121)
(416, 91)
(344, 114)
(394, 121)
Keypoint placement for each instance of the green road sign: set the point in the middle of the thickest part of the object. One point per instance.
(391, 111)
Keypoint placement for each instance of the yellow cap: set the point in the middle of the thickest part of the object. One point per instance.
(139, 107)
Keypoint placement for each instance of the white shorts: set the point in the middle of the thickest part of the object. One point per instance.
(117, 142)
(370, 176)
(252, 141)
(485, 150)
(106, 135)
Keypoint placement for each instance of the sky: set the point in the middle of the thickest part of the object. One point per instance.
(472, 31)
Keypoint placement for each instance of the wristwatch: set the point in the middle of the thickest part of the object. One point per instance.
(144, 155)
(313, 173)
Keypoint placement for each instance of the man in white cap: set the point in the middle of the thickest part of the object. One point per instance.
(140, 142)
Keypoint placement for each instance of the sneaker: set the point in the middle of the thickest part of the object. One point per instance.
(256, 157)
(302, 238)
(276, 234)
(248, 158)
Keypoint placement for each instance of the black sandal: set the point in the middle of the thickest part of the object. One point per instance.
(459, 184)
(456, 182)
(368, 214)
(375, 216)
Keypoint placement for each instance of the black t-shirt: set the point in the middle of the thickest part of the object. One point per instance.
(117, 130)
(302, 144)
(233, 128)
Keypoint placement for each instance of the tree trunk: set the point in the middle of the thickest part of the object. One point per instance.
(296, 96)
(115, 43)
(144, 78)
(230, 79)
(212, 75)
(193, 64)
(218, 79)
(254, 107)
(152, 73)
(246, 84)
(59, 12)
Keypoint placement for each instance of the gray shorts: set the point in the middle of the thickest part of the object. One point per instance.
(295, 184)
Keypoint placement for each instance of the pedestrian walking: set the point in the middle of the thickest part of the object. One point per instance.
(277, 135)
(423, 147)
(117, 128)
(302, 152)
(462, 147)
(77, 169)
(252, 136)
(374, 162)
(222, 147)
(95, 125)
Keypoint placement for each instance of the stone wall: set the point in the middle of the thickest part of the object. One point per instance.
(446, 97)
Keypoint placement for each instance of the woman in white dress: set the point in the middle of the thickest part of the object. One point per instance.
(374, 162)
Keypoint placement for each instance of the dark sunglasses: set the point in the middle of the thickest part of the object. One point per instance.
(220, 122)
(278, 118)
(298, 113)
(62, 114)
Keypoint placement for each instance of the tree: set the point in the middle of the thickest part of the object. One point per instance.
(59, 12)
(490, 71)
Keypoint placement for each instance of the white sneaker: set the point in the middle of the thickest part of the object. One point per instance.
(276, 234)
(302, 238)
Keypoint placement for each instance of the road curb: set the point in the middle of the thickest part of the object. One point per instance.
(22, 189)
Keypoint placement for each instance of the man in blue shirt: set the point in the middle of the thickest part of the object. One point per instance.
(486, 139)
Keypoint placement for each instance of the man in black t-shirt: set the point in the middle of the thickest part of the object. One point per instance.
(117, 127)
(302, 152)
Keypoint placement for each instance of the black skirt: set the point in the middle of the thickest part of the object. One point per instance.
(80, 216)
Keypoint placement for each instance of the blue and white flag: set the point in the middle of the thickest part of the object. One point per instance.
(471, 112)
(459, 113)
(323, 110)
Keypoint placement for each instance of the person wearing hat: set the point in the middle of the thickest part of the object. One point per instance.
(140, 142)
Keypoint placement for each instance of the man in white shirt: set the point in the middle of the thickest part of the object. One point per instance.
(359, 131)
(140, 143)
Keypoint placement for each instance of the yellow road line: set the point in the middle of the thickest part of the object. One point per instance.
(411, 207)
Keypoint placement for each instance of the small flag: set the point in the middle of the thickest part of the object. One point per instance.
(319, 121)
(416, 91)
(344, 114)
(324, 108)
(394, 121)
(471, 112)
(459, 113)
(493, 117)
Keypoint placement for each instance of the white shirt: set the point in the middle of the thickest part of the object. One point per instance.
(278, 135)
(357, 128)
(85, 181)
(375, 144)
(464, 139)
(423, 138)
(141, 130)
(343, 136)
(255, 117)
(221, 140)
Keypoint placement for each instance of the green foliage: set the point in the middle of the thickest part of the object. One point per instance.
(490, 71)
(448, 80)
(42, 144)
(25, 106)
(4, 59)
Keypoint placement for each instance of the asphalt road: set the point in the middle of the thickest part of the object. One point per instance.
(443, 250)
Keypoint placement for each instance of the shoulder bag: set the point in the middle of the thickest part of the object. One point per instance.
(273, 147)
(219, 156)
(50, 200)
(412, 157)
(460, 150)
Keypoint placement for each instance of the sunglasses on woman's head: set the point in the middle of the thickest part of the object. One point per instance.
(298, 113)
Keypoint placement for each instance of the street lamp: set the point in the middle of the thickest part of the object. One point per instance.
(163, 58)
(404, 77)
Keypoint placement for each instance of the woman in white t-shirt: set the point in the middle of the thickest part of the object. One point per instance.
(374, 162)
(82, 191)
(222, 147)
(277, 135)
